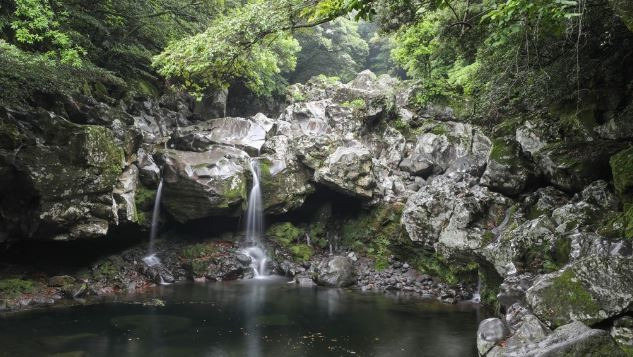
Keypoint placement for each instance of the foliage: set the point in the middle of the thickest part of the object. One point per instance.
(251, 42)
(332, 49)
(24, 75)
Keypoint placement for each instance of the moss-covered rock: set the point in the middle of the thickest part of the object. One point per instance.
(69, 169)
(507, 171)
(288, 236)
(622, 170)
(589, 290)
(573, 165)
(14, 288)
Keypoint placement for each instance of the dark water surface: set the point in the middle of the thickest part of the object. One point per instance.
(246, 318)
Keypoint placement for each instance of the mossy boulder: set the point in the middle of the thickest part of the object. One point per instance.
(573, 165)
(622, 170)
(590, 290)
(285, 184)
(65, 171)
(13, 288)
(203, 184)
(507, 171)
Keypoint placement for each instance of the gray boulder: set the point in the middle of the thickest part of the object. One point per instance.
(203, 184)
(124, 193)
(590, 290)
(453, 214)
(238, 132)
(490, 332)
(336, 271)
(506, 170)
(574, 339)
(349, 170)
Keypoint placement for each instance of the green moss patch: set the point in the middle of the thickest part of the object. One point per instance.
(567, 296)
(622, 169)
(14, 288)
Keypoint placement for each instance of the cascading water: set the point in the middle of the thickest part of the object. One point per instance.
(255, 225)
(151, 259)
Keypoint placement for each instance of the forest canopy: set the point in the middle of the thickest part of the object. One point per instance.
(486, 58)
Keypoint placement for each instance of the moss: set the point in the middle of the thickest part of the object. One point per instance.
(375, 233)
(10, 137)
(440, 129)
(14, 288)
(144, 200)
(488, 237)
(284, 233)
(145, 88)
(566, 294)
(622, 170)
(405, 129)
(507, 128)
(107, 270)
(489, 286)
(101, 151)
(197, 251)
(503, 151)
(358, 103)
(302, 252)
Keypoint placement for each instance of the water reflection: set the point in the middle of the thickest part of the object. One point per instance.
(247, 318)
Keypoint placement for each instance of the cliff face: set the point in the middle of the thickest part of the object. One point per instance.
(540, 209)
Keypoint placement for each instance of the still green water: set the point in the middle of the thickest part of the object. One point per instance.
(246, 318)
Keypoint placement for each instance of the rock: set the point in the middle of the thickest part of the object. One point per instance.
(448, 145)
(535, 135)
(57, 176)
(545, 201)
(490, 332)
(573, 165)
(349, 170)
(124, 193)
(336, 271)
(285, 181)
(513, 289)
(204, 184)
(622, 169)
(212, 105)
(241, 133)
(60, 281)
(148, 171)
(529, 331)
(304, 281)
(574, 339)
(622, 332)
(590, 290)
(506, 170)
(453, 214)
(527, 248)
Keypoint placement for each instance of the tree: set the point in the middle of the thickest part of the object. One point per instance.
(333, 49)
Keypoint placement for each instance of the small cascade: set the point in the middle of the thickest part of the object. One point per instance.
(151, 259)
(477, 295)
(255, 225)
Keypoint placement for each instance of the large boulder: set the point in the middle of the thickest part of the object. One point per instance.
(239, 132)
(507, 171)
(202, 184)
(57, 176)
(574, 339)
(285, 181)
(453, 214)
(336, 271)
(124, 195)
(589, 290)
(448, 146)
(349, 170)
(573, 165)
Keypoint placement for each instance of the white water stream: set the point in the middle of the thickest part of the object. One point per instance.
(255, 225)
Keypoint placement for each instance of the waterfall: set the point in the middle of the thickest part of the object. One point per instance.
(477, 295)
(151, 259)
(255, 225)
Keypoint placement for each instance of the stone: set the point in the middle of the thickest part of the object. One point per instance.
(124, 195)
(448, 145)
(212, 105)
(589, 290)
(512, 289)
(507, 171)
(148, 171)
(335, 271)
(349, 170)
(60, 281)
(622, 169)
(238, 132)
(453, 214)
(574, 339)
(573, 165)
(57, 176)
(203, 184)
(490, 332)
(622, 332)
